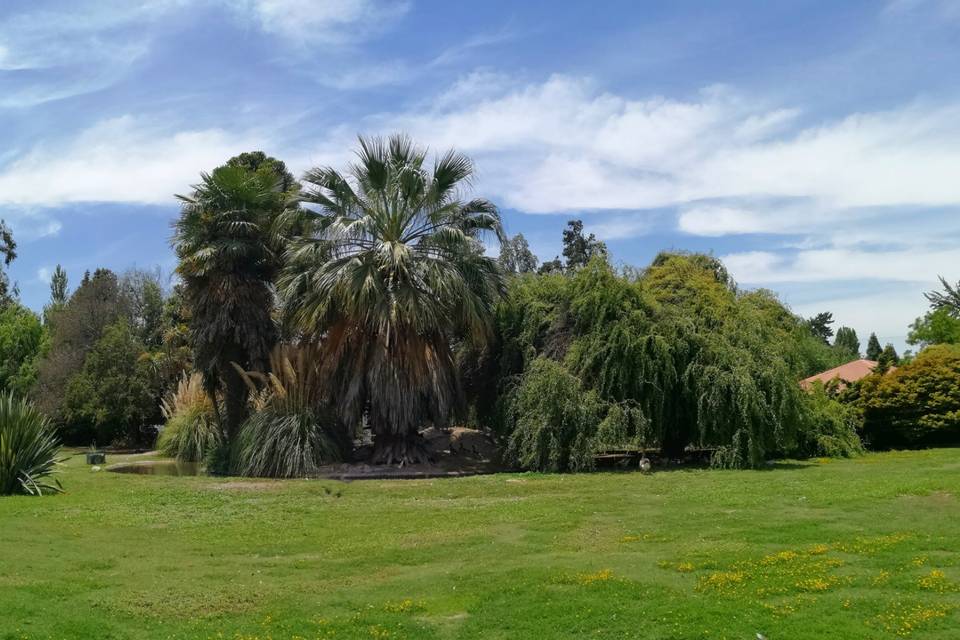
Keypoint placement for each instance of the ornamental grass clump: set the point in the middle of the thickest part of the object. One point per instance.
(191, 431)
(29, 450)
(291, 432)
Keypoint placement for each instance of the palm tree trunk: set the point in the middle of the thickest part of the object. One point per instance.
(235, 397)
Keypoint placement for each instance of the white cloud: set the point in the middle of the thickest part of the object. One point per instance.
(912, 264)
(626, 226)
(720, 220)
(119, 160)
(562, 145)
(324, 22)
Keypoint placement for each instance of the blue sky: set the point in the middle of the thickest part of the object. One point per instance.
(813, 145)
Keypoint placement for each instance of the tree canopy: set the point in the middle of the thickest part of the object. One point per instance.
(847, 341)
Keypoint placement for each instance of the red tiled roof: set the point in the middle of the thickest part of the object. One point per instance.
(850, 372)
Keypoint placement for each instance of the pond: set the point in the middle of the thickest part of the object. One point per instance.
(159, 468)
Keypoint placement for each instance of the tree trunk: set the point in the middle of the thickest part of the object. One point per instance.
(235, 397)
(399, 448)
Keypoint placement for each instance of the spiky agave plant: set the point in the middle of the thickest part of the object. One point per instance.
(29, 450)
(191, 431)
(393, 272)
(290, 432)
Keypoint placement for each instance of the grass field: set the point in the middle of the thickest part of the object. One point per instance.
(865, 548)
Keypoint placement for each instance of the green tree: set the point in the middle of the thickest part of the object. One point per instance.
(96, 304)
(820, 326)
(847, 342)
(937, 326)
(112, 398)
(229, 240)
(516, 257)
(143, 295)
(676, 357)
(888, 358)
(873, 348)
(58, 287)
(579, 249)
(394, 271)
(22, 340)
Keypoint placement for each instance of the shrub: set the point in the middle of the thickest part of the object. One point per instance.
(191, 431)
(291, 432)
(28, 449)
(916, 405)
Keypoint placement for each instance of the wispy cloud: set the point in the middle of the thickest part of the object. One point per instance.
(836, 264)
(562, 145)
(50, 54)
(308, 23)
(123, 159)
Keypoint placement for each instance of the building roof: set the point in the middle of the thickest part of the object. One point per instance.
(850, 372)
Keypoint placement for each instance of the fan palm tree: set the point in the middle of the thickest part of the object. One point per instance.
(393, 272)
(229, 244)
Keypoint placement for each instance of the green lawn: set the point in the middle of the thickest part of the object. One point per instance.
(866, 548)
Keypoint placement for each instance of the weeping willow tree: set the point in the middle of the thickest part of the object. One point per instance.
(674, 357)
(391, 272)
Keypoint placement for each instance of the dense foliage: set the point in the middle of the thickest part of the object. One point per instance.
(918, 404)
(112, 398)
(847, 341)
(29, 451)
(105, 359)
(830, 428)
(22, 342)
(675, 358)
(937, 326)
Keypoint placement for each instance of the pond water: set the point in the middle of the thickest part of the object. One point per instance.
(162, 468)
